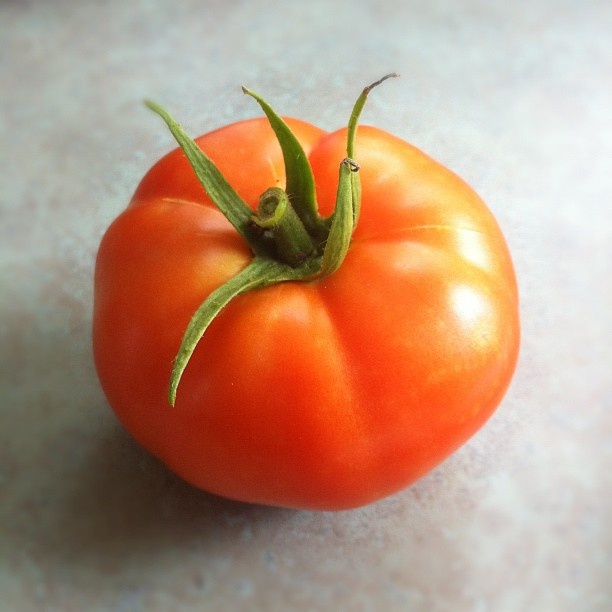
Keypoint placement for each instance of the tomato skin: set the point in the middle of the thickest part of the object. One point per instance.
(322, 395)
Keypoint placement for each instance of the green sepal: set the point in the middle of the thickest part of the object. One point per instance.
(356, 113)
(343, 219)
(261, 272)
(350, 141)
(234, 208)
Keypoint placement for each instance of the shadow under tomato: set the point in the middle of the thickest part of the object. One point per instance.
(95, 514)
(123, 507)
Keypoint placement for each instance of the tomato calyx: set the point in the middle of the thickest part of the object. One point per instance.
(290, 241)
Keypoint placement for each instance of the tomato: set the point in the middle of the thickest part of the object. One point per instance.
(325, 392)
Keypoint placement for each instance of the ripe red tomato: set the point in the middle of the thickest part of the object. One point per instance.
(324, 393)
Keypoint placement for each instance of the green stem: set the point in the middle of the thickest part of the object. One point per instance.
(277, 216)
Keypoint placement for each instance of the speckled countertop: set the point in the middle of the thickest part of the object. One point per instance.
(514, 96)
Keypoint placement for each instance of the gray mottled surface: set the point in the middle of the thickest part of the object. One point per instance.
(514, 96)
